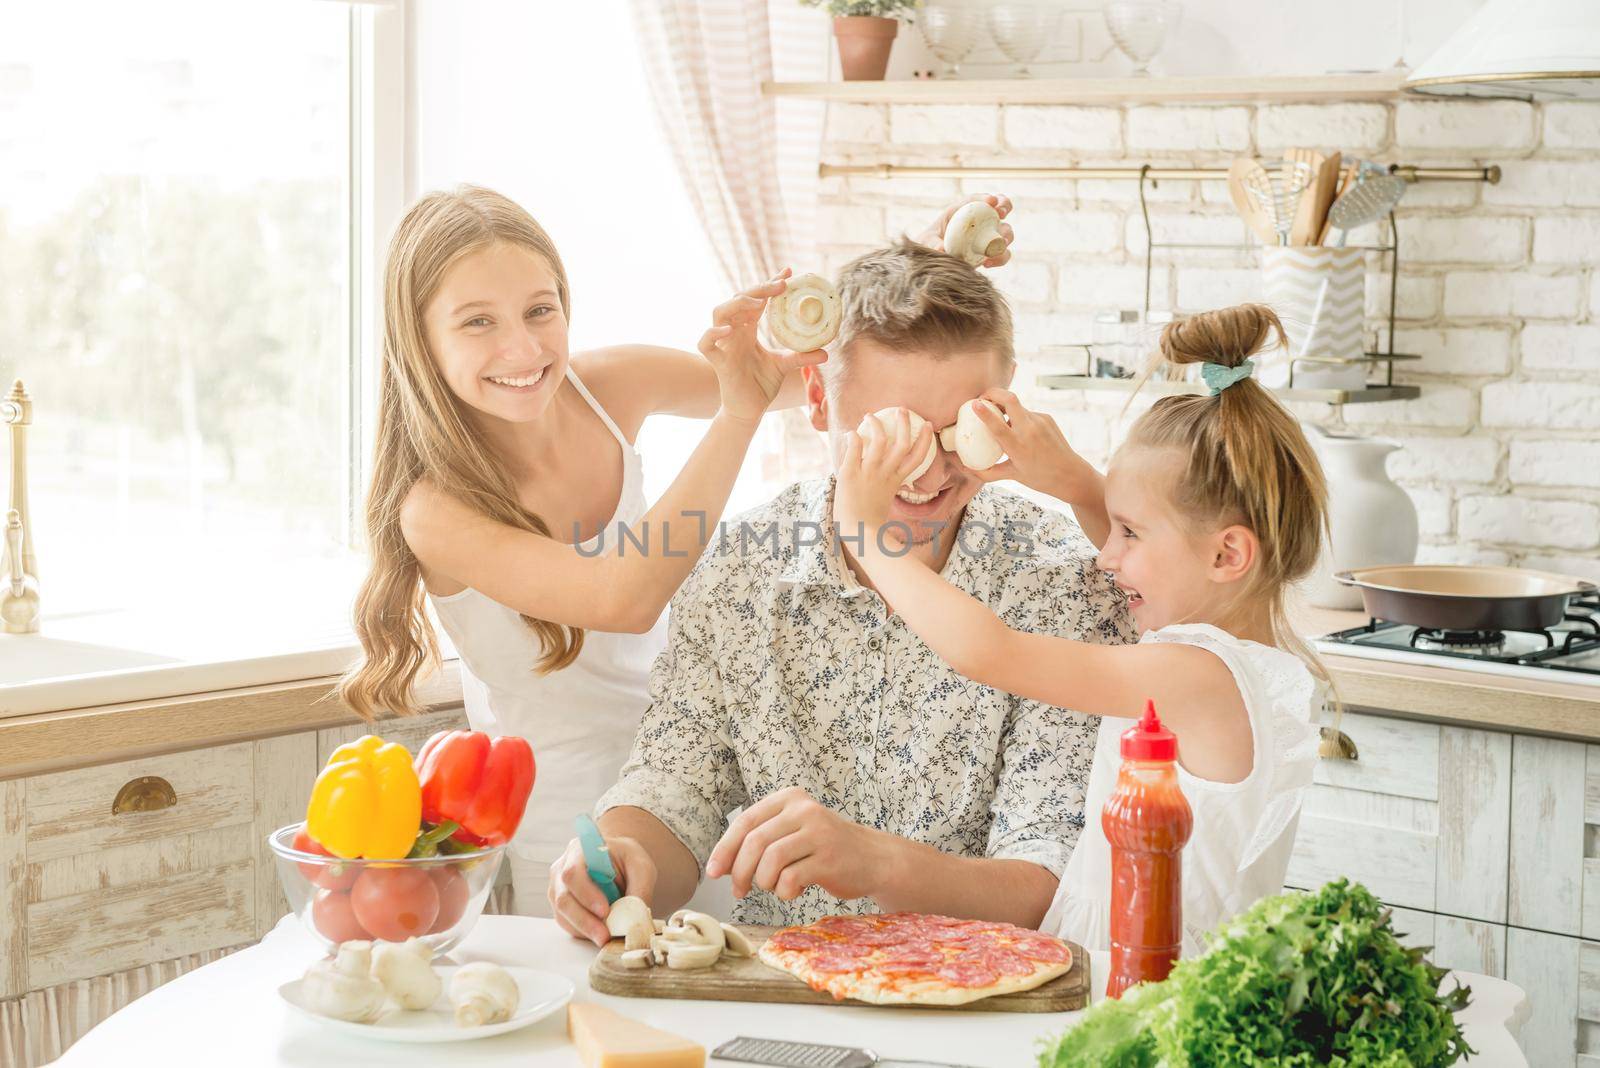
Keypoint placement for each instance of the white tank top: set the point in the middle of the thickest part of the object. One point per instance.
(580, 720)
(1243, 832)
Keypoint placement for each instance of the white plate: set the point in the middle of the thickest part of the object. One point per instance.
(542, 993)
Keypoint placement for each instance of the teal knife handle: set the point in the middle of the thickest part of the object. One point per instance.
(597, 857)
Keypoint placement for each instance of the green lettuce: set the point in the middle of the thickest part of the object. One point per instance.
(1300, 980)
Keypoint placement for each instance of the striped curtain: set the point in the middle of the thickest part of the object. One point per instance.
(750, 167)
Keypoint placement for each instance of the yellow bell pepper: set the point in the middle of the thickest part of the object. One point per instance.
(367, 801)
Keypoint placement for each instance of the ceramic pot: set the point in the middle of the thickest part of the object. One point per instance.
(1372, 519)
(1320, 294)
(864, 43)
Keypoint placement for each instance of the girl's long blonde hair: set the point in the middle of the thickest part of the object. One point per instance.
(1246, 459)
(424, 432)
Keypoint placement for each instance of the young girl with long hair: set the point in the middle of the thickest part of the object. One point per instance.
(1209, 512)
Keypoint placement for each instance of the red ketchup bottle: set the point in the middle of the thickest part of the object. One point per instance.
(1147, 821)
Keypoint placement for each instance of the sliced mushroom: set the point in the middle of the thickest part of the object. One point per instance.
(685, 957)
(696, 928)
(637, 958)
(658, 925)
(626, 913)
(737, 945)
(658, 948)
(637, 938)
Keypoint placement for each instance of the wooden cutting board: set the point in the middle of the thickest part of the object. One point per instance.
(748, 979)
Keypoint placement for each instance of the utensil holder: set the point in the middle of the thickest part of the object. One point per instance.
(1320, 294)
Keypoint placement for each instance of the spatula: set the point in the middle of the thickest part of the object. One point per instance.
(785, 1053)
(1312, 210)
(1251, 189)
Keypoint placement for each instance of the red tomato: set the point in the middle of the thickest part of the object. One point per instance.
(332, 914)
(395, 903)
(329, 876)
(453, 894)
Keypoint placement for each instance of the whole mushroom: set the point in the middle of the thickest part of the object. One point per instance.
(806, 315)
(969, 439)
(886, 418)
(973, 233)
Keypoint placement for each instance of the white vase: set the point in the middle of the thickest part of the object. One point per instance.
(1372, 519)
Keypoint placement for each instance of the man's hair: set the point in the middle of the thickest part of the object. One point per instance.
(909, 296)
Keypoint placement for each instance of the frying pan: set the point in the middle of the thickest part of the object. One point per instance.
(1447, 597)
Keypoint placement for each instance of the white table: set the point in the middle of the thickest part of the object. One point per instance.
(228, 1012)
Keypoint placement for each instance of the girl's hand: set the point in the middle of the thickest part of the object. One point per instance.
(876, 464)
(1037, 453)
(749, 374)
(933, 237)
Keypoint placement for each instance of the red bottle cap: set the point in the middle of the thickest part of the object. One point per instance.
(1148, 739)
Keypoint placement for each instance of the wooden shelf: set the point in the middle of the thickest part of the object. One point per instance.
(1369, 395)
(1319, 88)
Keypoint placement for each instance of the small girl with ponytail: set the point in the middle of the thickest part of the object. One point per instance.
(1208, 513)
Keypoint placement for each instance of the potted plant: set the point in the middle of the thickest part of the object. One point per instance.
(865, 30)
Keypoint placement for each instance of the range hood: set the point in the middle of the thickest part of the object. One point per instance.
(1546, 49)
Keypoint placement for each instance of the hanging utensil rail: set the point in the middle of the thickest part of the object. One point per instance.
(1411, 173)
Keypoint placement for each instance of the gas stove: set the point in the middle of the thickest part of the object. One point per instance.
(1566, 652)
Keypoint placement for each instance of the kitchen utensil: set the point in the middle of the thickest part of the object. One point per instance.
(1022, 30)
(1373, 195)
(748, 979)
(1311, 213)
(1139, 28)
(1250, 187)
(1464, 598)
(950, 29)
(323, 891)
(541, 993)
(784, 1053)
(1291, 180)
(597, 857)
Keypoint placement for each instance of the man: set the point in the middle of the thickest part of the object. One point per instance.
(873, 776)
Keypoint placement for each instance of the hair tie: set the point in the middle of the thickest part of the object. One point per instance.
(1219, 376)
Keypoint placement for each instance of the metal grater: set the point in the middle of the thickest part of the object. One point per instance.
(783, 1053)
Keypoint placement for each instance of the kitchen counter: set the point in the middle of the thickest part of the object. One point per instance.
(233, 1004)
(1456, 696)
(82, 737)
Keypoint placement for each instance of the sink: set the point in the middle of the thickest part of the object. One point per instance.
(34, 657)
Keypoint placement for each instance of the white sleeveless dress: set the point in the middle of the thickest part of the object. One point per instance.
(1243, 832)
(580, 720)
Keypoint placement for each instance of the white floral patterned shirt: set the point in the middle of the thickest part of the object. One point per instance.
(782, 670)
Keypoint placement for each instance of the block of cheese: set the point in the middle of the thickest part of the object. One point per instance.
(606, 1039)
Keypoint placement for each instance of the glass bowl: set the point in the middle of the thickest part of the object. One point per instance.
(437, 899)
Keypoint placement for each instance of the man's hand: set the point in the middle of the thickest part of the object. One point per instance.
(933, 237)
(787, 841)
(749, 375)
(579, 906)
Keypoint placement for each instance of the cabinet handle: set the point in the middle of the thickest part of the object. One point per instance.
(1336, 745)
(148, 793)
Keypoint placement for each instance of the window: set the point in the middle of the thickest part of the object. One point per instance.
(175, 292)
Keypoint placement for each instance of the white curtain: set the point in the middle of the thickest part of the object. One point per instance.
(748, 161)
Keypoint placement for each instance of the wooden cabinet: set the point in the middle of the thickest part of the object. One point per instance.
(1486, 844)
(90, 888)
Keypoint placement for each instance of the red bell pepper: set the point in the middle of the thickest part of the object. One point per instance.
(478, 782)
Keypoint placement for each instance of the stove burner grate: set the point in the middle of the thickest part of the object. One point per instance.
(1474, 641)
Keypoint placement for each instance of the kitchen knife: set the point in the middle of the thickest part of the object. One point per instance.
(596, 857)
(784, 1053)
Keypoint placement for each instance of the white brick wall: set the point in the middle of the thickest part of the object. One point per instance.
(1499, 288)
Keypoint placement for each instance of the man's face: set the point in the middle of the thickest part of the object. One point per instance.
(932, 385)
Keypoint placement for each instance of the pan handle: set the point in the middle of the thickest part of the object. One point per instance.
(1587, 587)
(1348, 578)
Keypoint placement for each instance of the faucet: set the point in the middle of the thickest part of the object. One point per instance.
(19, 575)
